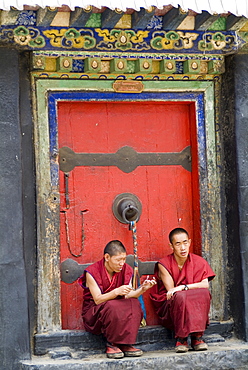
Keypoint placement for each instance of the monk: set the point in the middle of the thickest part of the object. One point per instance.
(110, 303)
(182, 298)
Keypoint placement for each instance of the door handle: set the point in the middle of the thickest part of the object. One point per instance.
(127, 207)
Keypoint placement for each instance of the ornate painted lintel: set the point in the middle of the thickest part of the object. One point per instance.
(117, 40)
(126, 65)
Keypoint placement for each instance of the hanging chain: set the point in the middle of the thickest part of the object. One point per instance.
(67, 231)
(135, 251)
(67, 199)
(132, 227)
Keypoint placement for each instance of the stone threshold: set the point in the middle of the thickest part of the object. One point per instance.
(229, 354)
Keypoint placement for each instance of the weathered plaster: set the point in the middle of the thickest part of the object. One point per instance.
(241, 116)
(14, 312)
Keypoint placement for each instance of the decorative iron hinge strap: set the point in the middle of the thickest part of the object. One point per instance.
(72, 270)
(126, 159)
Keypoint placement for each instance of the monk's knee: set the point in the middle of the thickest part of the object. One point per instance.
(192, 295)
(180, 297)
(111, 305)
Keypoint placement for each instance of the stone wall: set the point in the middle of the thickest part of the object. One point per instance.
(229, 186)
(241, 118)
(17, 221)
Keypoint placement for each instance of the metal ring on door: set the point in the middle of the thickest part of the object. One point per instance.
(127, 207)
(125, 216)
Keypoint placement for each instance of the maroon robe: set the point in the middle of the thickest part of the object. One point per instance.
(117, 319)
(187, 311)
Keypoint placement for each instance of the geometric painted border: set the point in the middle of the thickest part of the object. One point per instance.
(140, 66)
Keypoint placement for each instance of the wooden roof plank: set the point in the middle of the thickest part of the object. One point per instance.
(79, 17)
(142, 18)
(204, 20)
(46, 16)
(234, 23)
(173, 19)
(111, 17)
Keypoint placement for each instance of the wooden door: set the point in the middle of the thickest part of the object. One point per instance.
(168, 193)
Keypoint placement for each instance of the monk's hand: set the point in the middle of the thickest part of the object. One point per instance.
(172, 291)
(148, 283)
(123, 290)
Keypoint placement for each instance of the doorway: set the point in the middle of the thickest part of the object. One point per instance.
(169, 194)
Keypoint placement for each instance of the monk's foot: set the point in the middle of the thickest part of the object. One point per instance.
(130, 351)
(181, 345)
(198, 344)
(113, 351)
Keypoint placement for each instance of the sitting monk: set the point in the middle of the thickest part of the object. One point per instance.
(182, 298)
(110, 303)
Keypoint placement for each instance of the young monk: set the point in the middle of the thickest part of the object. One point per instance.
(110, 304)
(182, 298)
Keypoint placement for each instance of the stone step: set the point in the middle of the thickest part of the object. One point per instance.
(149, 336)
(225, 354)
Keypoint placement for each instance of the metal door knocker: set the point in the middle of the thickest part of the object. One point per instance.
(127, 208)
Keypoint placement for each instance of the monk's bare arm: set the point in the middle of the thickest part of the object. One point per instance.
(169, 283)
(202, 284)
(165, 277)
(100, 297)
(147, 284)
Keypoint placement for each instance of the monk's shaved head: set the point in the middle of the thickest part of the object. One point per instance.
(176, 231)
(114, 247)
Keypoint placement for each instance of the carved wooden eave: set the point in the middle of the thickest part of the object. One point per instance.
(152, 43)
(148, 42)
(151, 52)
(169, 17)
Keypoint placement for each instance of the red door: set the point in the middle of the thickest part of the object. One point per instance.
(168, 193)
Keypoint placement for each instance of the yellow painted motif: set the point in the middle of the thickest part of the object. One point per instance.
(113, 35)
(173, 40)
(70, 38)
(140, 36)
(122, 39)
(188, 39)
(105, 34)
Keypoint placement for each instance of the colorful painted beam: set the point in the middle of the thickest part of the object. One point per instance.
(142, 68)
(98, 39)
